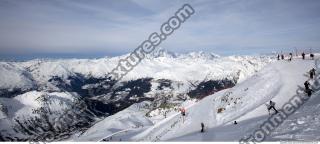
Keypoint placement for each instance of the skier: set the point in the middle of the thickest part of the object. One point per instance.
(290, 56)
(202, 127)
(235, 122)
(183, 111)
(309, 92)
(312, 56)
(272, 106)
(278, 57)
(282, 56)
(306, 85)
(165, 114)
(312, 72)
(303, 55)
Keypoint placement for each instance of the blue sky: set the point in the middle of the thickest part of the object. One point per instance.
(95, 28)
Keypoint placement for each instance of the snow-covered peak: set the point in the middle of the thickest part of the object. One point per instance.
(199, 55)
(12, 77)
(163, 53)
(192, 66)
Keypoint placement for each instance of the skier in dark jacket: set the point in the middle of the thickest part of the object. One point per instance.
(282, 57)
(272, 106)
(303, 55)
(202, 127)
(278, 57)
(306, 85)
(312, 72)
(290, 56)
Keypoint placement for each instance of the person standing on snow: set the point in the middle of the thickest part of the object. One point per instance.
(290, 56)
(183, 113)
(202, 127)
(306, 85)
(303, 55)
(312, 72)
(282, 56)
(272, 106)
(278, 57)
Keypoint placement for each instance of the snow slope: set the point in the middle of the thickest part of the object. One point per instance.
(12, 77)
(244, 103)
(130, 118)
(29, 105)
(278, 82)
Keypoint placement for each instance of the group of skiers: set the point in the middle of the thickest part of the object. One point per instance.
(312, 74)
(311, 55)
(282, 56)
(308, 91)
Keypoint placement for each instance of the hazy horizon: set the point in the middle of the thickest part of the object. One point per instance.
(90, 56)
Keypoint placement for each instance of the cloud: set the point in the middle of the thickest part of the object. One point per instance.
(113, 27)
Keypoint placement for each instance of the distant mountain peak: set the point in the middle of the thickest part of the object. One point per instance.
(200, 55)
(161, 52)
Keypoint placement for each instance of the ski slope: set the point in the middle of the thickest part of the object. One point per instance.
(245, 103)
(277, 82)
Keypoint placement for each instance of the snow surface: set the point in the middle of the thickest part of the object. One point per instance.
(244, 103)
(278, 82)
(130, 118)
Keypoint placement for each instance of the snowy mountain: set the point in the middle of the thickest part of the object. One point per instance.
(281, 82)
(40, 99)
